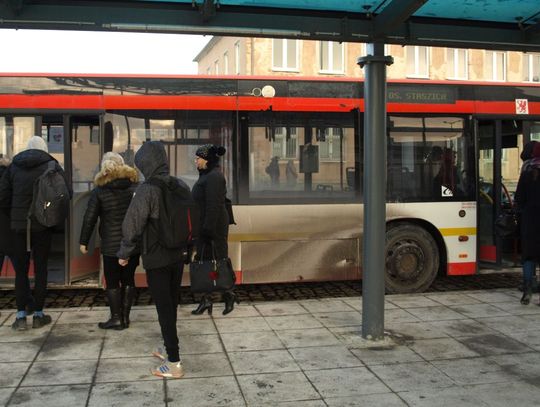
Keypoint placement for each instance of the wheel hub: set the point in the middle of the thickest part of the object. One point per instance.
(406, 261)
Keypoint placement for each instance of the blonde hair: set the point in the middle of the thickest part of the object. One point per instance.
(110, 161)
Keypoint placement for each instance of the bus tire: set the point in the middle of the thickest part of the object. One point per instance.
(412, 259)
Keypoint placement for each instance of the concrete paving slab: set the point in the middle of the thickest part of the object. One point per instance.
(128, 394)
(530, 338)
(492, 296)
(416, 330)
(386, 355)
(19, 351)
(126, 369)
(264, 340)
(12, 373)
(324, 357)
(206, 365)
(480, 370)
(439, 313)
(249, 324)
(412, 376)
(346, 382)
(5, 394)
(315, 306)
(443, 348)
(463, 327)
(298, 403)
(54, 316)
(263, 361)
(196, 344)
(194, 327)
(299, 338)
(367, 400)
(83, 317)
(278, 387)
(396, 316)
(516, 308)
(240, 311)
(60, 372)
(411, 301)
(74, 395)
(332, 319)
(481, 310)
(490, 345)
(208, 392)
(132, 342)
(523, 367)
(510, 324)
(452, 299)
(70, 347)
(280, 308)
(31, 335)
(304, 321)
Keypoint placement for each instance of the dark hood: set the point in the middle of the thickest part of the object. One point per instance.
(151, 159)
(31, 158)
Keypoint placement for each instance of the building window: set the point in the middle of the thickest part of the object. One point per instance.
(330, 144)
(457, 63)
(285, 141)
(285, 55)
(531, 67)
(216, 67)
(226, 63)
(208, 71)
(495, 65)
(331, 57)
(237, 57)
(417, 61)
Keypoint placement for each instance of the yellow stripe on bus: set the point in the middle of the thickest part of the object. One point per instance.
(457, 231)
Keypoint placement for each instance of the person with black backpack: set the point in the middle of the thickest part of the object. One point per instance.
(20, 187)
(161, 205)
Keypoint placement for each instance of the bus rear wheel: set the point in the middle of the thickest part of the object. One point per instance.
(412, 259)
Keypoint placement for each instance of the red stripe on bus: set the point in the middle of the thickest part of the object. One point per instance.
(488, 253)
(461, 269)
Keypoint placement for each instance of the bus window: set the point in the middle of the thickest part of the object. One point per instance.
(429, 159)
(301, 157)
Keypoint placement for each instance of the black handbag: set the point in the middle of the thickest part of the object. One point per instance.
(506, 224)
(211, 275)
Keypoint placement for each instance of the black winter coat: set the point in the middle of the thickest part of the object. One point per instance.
(209, 192)
(17, 185)
(5, 229)
(141, 220)
(109, 202)
(528, 202)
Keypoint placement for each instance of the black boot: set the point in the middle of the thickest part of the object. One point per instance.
(229, 297)
(527, 294)
(114, 297)
(205, 304)
(127, 301)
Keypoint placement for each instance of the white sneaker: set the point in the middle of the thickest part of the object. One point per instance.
(169, 370)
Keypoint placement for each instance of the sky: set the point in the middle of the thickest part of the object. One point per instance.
(48, 51)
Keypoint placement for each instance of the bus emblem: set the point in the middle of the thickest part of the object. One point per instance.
(522, 106)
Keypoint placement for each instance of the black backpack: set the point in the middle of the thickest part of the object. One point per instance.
(50, 200)
(178, 221)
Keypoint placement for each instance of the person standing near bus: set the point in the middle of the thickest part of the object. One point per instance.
(5, 235)
(527, 200)
(210, 192)
(16, 193)
(164, 266)
(115, 185)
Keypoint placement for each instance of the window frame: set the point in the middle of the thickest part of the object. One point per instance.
(330, 62)
(284, 52)
(416, 73)
(455, 62)
(494, 64)
(528, 62)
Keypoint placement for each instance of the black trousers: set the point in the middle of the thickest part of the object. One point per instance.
(40, 242)
(115, 274)
(164, 286)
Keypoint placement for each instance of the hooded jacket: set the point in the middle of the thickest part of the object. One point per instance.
(17, 185)
(109, 202)
(141, 220)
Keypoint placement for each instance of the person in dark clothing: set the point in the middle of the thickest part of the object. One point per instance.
(527, 200)
(164, 267)
(16, 192)
(110, 199)
(5, 230)
(210, 192)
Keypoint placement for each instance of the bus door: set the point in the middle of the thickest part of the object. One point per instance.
(84, 156)
(500, 143)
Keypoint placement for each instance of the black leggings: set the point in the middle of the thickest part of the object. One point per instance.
(116, 275)
(164, 286)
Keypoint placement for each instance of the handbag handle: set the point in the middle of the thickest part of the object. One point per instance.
(213, 252)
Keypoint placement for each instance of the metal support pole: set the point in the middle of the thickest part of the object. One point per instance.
(373, 267)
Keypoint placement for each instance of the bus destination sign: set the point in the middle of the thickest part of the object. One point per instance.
(421, 94)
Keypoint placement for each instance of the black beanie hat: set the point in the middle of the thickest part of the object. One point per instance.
(210, 152)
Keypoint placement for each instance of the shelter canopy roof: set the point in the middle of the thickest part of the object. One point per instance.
(490, 24)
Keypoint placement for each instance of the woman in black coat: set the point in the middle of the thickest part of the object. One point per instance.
(110, 199)
(528, 204)
(5, 231)
(210, 193)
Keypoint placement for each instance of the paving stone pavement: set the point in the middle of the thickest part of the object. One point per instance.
(466, 348)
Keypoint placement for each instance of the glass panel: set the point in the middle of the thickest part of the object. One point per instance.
(423, 69)
(429, 159)
(85, 157)
(462, 64)
(324, 55)
(501, 67)
(337, 61)
(277, 52)
(411, 67)
(301, 161)
(291, 54)
(4, 130)
(488, 65)
(24, 128)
